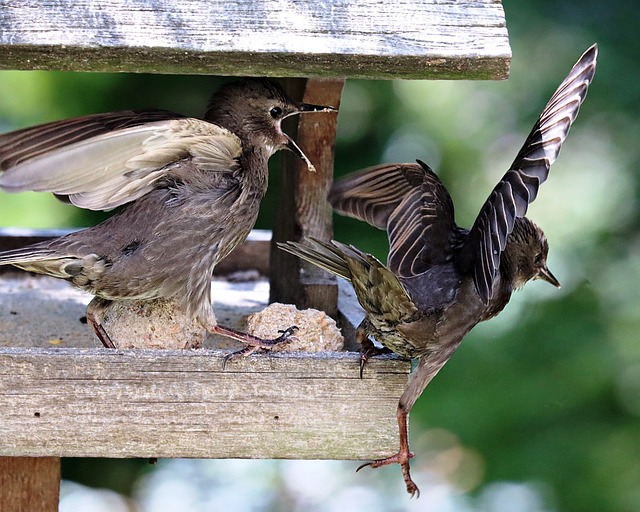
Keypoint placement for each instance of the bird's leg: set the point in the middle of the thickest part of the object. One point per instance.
(95, 314)
(367, 348)
(254, 343)
(402, 457)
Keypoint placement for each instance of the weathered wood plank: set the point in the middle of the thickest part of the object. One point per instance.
(364, 39)
(29, 483)
(108, 403)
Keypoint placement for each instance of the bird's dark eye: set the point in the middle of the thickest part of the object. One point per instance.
(538, 259)
(275, 112)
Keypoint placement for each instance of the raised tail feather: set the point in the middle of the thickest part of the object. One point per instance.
(24, 255)
(327, 256)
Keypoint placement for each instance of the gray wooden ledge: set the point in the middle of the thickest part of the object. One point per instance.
(63, 396)
(108, 403)
(365, 39)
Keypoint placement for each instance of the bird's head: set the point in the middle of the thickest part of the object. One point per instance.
(254, 110)
(527, 250)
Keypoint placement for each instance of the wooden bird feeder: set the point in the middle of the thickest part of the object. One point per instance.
(78, 400)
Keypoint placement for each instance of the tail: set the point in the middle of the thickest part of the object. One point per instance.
(39, 260)
(24, 255)
(379, 291)
(328, 256)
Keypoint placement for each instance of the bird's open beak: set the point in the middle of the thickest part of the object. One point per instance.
(546, 275)
(304, 108)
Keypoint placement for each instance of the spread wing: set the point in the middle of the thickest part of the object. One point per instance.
(422, 227)
(411, 203)
(105, 160)
(519, 186)
(371, 194)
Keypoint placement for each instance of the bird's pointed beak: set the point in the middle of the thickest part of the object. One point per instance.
(546, 275)
(304, 108)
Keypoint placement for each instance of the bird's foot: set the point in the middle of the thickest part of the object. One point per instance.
(368, 350)
(253, 342)
(402, 458)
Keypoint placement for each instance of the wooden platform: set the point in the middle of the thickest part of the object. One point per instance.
(109, 403)
(62, 400)
(61, 394)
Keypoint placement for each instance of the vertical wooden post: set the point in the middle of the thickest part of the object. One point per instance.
(303, 210)
(29, 483)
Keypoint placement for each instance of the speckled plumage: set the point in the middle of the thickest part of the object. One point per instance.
(193, 186)
(440, 279)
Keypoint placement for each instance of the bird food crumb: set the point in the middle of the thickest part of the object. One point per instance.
(317, 331)
(157, 324)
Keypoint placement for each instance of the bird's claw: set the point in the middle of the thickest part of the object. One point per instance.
(403, 460)
(285, 334)
(238, 354)
(368, 350)
(364, 357)
(255, 344)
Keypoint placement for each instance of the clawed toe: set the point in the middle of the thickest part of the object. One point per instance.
(238, 354)
(403, 460)
(285, 334)
(253, 342)
(368, 350)
(365, 465)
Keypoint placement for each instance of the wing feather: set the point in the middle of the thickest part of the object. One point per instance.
(371, 194)
(519, 186)
(113, 167)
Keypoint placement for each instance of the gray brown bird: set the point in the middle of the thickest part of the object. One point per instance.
(193, 189)
(441, 280)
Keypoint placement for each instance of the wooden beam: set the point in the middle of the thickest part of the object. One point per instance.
(29, 484)
(364, 39)
(112, 403)
(303, 209)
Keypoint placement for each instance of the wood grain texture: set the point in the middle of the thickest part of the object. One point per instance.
(364, 39)
(109, 403)
(29, 484)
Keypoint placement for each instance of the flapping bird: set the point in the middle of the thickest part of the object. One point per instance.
(440, 279)
(192, 190)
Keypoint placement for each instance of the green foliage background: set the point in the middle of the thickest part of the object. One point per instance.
(548, 394)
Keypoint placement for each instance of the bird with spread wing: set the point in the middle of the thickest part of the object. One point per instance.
(191, 189)
(440, 279)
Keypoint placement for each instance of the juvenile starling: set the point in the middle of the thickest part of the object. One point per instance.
(440, 279)
(193, 186)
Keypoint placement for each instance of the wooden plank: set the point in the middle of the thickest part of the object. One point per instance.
(303, 210)
(110, 403)
(29, 483)
(365, 39)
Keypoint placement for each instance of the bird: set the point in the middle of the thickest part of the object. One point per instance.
(440, 279)
(191, 190)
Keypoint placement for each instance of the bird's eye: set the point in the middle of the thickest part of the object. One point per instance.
(538, 259)
(275, 112)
